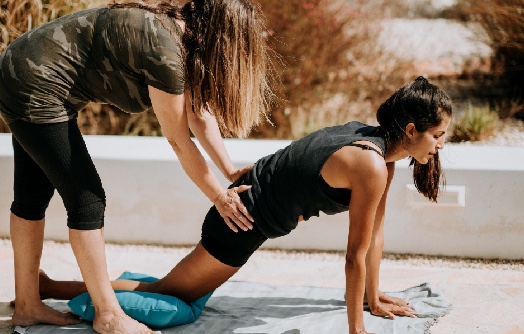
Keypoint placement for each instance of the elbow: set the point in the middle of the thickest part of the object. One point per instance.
(198, 120)
(355, 259)
(179, 146)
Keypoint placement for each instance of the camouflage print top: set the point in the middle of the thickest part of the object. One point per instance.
(102, 55)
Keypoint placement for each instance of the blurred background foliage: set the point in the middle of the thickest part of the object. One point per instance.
(334, 65)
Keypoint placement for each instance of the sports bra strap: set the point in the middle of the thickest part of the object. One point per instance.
(366, 147)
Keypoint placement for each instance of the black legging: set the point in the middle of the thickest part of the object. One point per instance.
(54, 156)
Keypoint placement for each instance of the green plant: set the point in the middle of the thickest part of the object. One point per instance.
(476, 123)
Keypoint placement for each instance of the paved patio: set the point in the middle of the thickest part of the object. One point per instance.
(488, 296)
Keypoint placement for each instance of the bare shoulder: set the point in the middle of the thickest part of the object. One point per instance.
(353, 166)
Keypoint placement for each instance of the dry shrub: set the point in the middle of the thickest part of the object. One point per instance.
(104, 119)
(503, 20)
(330, 67)
(19, 16)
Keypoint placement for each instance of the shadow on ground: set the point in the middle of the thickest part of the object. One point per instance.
(6, 311)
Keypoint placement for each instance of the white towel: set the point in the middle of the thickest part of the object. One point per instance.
(245, 307)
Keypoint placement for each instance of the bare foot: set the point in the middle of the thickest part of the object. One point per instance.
(109, 323)
(41, 313)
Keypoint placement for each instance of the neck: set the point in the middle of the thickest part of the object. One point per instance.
(396, 152)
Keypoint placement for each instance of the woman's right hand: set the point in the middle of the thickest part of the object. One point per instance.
(231, 208)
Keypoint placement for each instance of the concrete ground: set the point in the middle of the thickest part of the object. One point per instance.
(487, 296)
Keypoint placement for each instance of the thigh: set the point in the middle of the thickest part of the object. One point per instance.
(60, 151)
(193, 277)
(218, 256)
(32, 189)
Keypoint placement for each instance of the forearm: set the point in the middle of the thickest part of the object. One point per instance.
(198, 170)
(374, 255)
(373, 259)
(205, 129)
(355, 287)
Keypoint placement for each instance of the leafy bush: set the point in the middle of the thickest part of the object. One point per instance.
(475, 124)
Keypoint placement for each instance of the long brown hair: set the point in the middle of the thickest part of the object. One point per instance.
(227, 60)
(422, 104)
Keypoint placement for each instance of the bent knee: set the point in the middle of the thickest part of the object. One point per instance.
(33, 205)
(87, 217)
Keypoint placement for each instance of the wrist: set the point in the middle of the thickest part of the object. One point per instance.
(229, 177)
(372, 301)
(218, 197)
(228, 174)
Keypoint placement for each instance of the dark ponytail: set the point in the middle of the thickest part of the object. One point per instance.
(422, 104)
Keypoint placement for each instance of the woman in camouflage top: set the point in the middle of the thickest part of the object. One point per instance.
(201, 66)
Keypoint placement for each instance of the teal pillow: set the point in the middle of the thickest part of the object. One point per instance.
(153, 309)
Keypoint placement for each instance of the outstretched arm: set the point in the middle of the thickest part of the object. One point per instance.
(205, 128)
(365, 173)
(172, 116)
(367, 186)
(380, 303)
(368, 177)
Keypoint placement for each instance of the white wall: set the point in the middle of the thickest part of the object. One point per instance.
(151, 200)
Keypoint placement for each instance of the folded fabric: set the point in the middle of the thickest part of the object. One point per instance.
(153, 309)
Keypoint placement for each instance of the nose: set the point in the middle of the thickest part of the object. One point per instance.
(440, 143)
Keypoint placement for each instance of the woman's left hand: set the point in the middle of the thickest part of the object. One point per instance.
(231, 208)
(389, 310)
(237, 174)
(388, 306)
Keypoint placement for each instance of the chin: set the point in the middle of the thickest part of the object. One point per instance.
(423, 161)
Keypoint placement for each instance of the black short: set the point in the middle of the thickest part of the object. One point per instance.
(54, 156)
(233, 249)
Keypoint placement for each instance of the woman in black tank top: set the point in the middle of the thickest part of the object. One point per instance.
(336, 169)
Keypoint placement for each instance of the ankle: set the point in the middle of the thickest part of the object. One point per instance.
(26, 304)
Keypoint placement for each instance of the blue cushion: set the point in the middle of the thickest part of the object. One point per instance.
(153, 309)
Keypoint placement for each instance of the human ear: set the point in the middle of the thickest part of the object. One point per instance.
(410, 130)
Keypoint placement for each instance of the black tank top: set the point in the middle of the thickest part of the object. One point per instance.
(287, 184)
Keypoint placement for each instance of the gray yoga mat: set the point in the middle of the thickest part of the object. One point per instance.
(245, 307)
